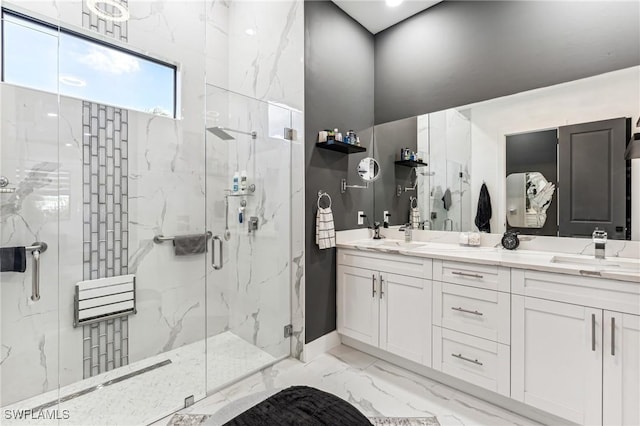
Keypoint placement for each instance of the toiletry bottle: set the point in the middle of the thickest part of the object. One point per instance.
(243, 181)
(241, 214)
(337, 135)
(236, 181)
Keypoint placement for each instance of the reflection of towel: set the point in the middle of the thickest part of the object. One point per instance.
(483, 215)
(325, 231)
(446, 199)
(190, 244)
(414, 217)
(13, 259)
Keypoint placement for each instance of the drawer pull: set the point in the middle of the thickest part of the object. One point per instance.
(467, 311)
(465, 274)
(473, 361)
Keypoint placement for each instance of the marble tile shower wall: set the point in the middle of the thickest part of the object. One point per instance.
(167, 186)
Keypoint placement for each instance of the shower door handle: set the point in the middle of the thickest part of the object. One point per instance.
(216, 266)
(36, 250)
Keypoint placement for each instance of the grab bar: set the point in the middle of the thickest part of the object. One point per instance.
(159, 239)
(36, 249)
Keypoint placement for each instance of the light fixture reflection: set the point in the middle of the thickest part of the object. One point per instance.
(70, 80)
(393, 3)
(120, 12)
(250, 31)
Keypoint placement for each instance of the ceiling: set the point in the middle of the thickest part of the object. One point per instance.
(376, 16)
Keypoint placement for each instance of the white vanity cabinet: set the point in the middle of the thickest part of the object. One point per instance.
(621, 369)
(579, 361)
(384, 309)
(471, 317)
(565, 344)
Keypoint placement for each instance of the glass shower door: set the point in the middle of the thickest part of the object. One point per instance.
(248, 203)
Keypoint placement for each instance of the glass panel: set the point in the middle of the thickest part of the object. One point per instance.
(97, 183)
(248, 299)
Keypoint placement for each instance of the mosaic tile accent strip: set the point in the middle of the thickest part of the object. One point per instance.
(105, 346)
(105, 224)
(117, 30)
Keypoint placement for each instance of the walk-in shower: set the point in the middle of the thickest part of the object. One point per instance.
(110, 325)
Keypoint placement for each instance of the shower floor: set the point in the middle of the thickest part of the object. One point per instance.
(154, 394)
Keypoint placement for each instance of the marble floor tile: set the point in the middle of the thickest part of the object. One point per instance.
(375, 387)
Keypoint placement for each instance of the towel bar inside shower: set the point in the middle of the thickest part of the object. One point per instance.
(159, 239)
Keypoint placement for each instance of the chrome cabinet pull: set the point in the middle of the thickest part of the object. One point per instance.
(593, 332)
(459, 309)
(473, 361)
(217, 266)
(381, 284)
(613, 336)
(373, 285)
(464, 274)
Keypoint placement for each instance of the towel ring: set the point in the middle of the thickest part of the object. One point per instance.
(412, 200)
(323, 194)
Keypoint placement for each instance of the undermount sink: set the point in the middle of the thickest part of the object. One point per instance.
(401, 244)
(610, 263)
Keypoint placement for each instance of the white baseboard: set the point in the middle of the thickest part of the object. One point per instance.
(320, 345)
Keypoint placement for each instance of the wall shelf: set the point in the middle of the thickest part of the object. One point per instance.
(411, 163)
(345, 148)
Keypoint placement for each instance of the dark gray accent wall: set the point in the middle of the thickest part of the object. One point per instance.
(339, 86)
(460, 52)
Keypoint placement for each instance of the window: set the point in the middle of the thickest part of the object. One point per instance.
(60, 61)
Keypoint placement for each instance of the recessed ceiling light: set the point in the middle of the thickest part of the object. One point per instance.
(52, 114)
(250, 31)
(393, 3)
(111, 10)
(70, 80)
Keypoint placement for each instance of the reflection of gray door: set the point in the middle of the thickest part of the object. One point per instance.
(592, 177)
(536, 152)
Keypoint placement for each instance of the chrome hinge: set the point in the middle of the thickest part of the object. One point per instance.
(188, 401)
(290, 134)
(288, 330)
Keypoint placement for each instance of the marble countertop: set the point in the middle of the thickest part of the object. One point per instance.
(616, 268)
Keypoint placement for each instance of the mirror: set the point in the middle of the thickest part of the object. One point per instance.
(368, 169)
(529, 196)
(467, 146)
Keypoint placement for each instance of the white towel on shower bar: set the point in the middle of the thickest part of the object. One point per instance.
(325, 230)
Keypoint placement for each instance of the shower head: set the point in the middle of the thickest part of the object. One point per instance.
(222, 133)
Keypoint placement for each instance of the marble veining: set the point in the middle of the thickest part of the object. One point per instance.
(377, 388)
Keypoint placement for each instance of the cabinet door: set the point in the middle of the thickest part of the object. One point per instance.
(405, 320)
(556, 362)
(621, 369)
(357, 301)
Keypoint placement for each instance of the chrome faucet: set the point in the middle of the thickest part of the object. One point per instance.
(599, 238)
(407, 232)
(376, 231)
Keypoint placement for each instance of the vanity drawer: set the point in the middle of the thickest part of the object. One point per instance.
(480, 362)
(472, 274)
(481, 313)
(602, 293)
(392, 263)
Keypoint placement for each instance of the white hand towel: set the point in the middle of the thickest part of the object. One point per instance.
(325, 230)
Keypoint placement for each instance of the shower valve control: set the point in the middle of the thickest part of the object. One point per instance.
(253, 224)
